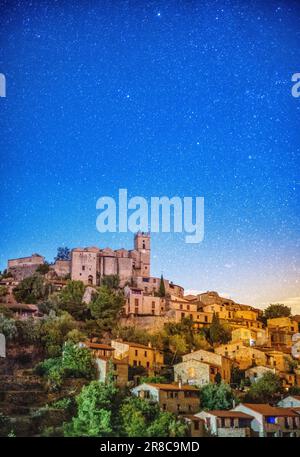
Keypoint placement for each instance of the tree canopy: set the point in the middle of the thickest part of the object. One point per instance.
(218, 333)
(32, 289)
(95, 411)
(105, 306)
(267, 389)
(277, 310)
(70, 299)
(63, 253)
(141, 418)
(216, 396)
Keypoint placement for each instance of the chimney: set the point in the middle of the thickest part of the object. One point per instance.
(233, 403)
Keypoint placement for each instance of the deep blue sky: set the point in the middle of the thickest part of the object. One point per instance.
(187, 98)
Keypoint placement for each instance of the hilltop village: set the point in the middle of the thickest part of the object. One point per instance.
(95, 323)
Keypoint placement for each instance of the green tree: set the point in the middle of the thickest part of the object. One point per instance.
(216, 396)
(218, 333)
(237, 376)
(167, 425)
(162, 289)
(63, 253)
(70, 299)
(135, 414)
(77, 361)
(28, 331)
(132, 334)
(111, 281)
(53, 332)
(144, 419)
(95, 411)
(5, 311)
(50, 304)
(265, 390)
(3, 292)
(106, 306)
(178, 346)
(277, 310)
(43, 268)
(32, 289)
(8, 327)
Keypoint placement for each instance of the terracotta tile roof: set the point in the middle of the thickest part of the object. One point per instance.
(193, 417)
(99, 346)
(136, 345)
(223, 413)
(172, 387)
(267, 410)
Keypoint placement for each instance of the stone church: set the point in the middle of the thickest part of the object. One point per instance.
(92, 263)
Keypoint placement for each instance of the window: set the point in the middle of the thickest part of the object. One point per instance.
(271, 420)
(196, 425)
(164, 406)
(136, 352)
(191, 372)
(145, 353)
(136, 302)
(83, 267)
(148, 364)
(153, 304)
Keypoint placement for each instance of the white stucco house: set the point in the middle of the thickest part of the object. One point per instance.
(292, 401)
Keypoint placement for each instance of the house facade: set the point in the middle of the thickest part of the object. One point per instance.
(270, 421)
(226, 424)
(174, 398)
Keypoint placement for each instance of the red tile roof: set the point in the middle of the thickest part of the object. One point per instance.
(267, 410)
(172, 387)
(99, 346)
(223, 413)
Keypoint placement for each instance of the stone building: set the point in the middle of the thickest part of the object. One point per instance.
(244, 356)
(227, 424)
(251, 336)
(106, 362)
(257, 372)
(194, 372)
(212, 359)
(281, 331)
(139, 355)
(92, 263)
(23, 267)
(174, 398)
(62, 268)
(270, 421)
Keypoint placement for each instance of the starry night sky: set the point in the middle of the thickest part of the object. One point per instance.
(187, 98)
